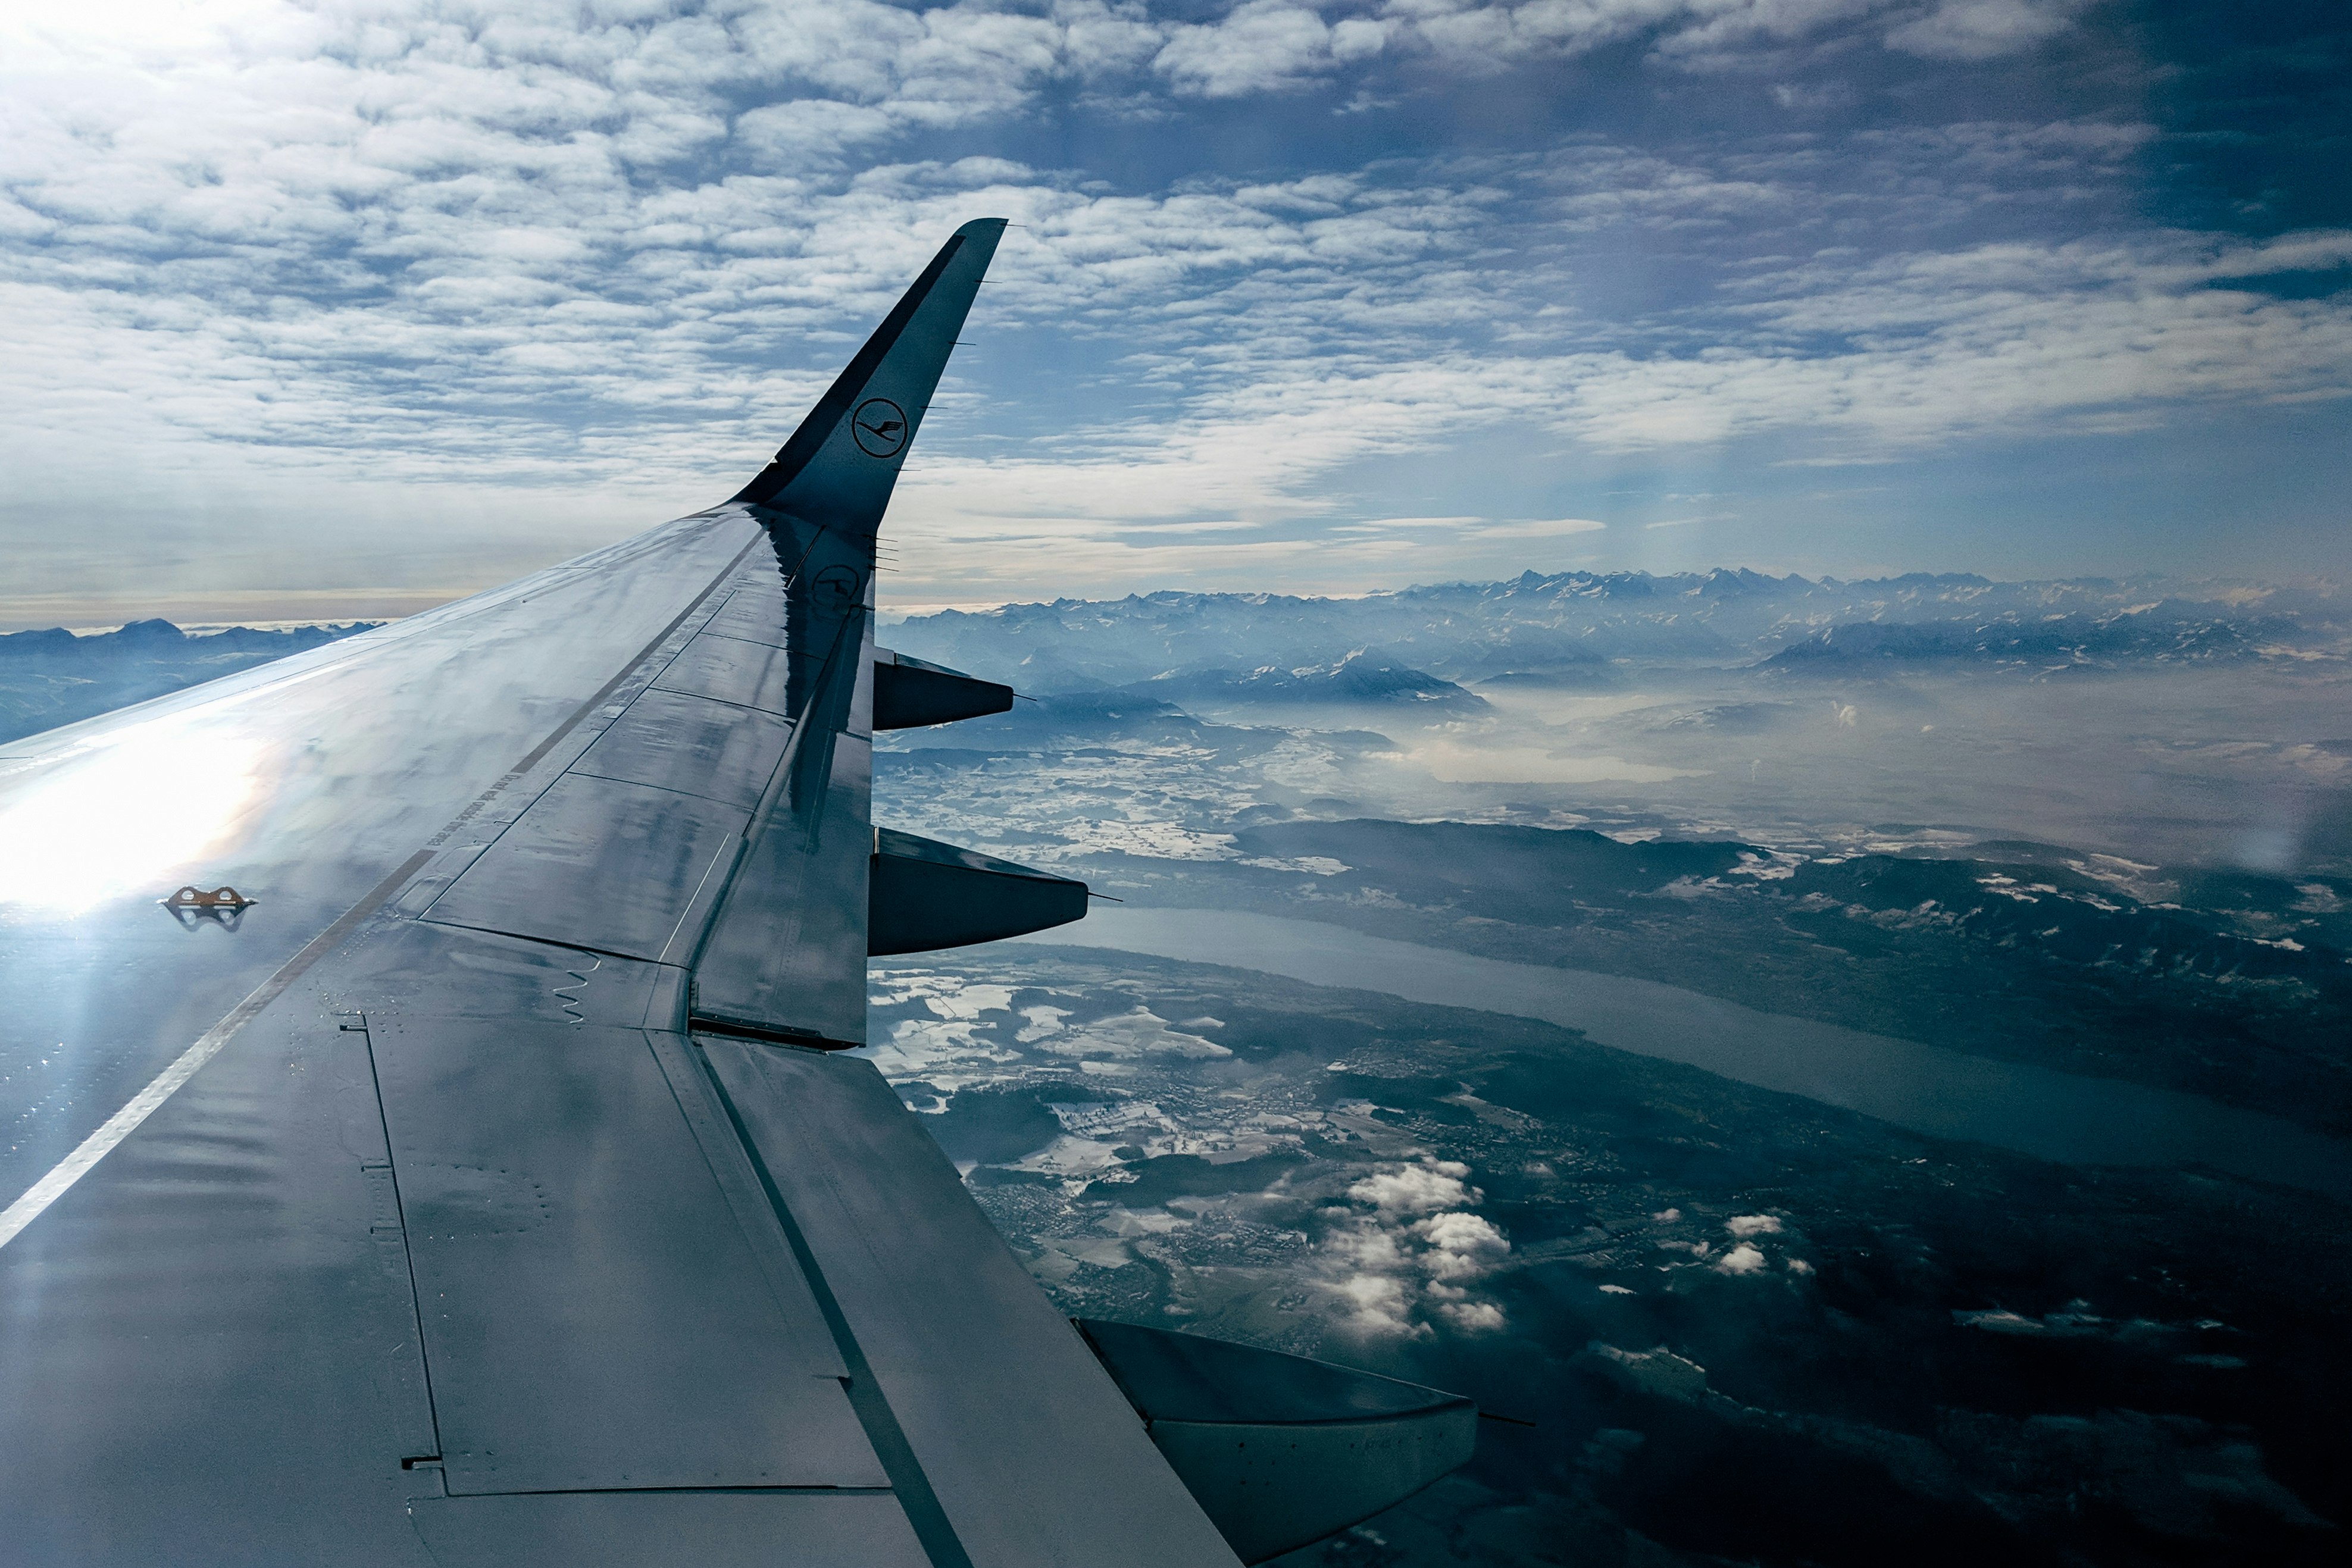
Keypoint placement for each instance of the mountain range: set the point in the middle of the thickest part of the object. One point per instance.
(1578, 628)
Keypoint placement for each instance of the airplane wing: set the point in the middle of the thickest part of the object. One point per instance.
(430, 1138)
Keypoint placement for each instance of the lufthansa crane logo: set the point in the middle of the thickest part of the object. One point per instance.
(836, 588)
(880, 427)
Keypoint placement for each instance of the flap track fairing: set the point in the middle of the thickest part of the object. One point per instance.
(1279, 1450)
(924, 895)
(909, 692)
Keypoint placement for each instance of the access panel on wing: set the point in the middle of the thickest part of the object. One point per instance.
(599, 1310)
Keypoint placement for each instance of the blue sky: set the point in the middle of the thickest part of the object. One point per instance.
(346, 307)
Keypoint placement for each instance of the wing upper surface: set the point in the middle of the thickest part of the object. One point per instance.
(500, 1220)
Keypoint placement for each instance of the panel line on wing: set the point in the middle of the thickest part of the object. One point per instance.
(531, 758)
(707, 895)
(679, 1492)
(407, 1252)
(603, 694)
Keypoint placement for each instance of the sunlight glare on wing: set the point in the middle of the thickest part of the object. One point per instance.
(130, 813)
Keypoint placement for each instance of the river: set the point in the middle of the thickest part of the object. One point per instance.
(2052, 1116)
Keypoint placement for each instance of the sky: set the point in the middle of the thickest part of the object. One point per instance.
(350, 306)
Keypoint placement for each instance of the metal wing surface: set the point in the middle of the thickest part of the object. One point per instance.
(485, 1189)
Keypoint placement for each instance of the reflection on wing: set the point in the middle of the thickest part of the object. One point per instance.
(514, 1203)
(156, 794)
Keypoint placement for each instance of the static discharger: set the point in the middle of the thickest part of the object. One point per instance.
(223, 906)
(225, 899)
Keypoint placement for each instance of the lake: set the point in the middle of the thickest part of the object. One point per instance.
(2012, 1105)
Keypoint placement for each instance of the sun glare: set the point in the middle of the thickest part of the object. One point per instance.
(130, 813)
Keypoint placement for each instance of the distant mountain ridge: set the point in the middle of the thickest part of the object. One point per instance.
(1570, 627)
(55, 677)
(1359, 676)
(2163, 633)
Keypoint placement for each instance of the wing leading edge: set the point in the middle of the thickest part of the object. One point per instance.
(524, 1209)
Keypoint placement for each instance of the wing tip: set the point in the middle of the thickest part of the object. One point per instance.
(975, 244)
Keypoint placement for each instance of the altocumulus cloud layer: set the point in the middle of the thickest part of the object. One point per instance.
(317, 307)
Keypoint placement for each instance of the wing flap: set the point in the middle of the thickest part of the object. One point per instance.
(785, 956)
(594, 1317)
(955, 1336)
(1279, 1450)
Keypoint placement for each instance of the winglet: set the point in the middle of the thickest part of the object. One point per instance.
(839, 466)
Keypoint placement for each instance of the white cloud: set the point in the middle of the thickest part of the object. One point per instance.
(1260, 45)
(1412, 1251)
(1903, 354)
(1140, 1032)
(586, 265)
(1271, 44)
(1716, 32)
(1981, 29)
(1275, 45)
(1416, 1189)
(1473, 1317)
(1744, 1258)
(1379, 1302)
(1461, 1246)
(1536, 529)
